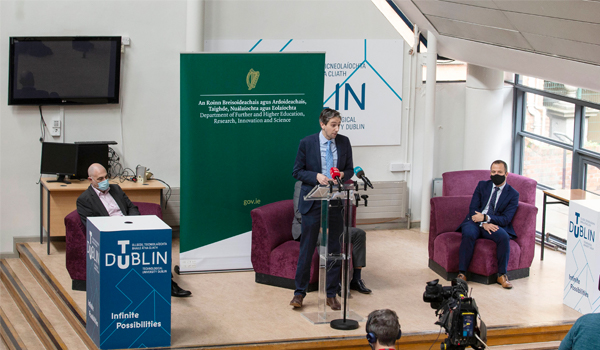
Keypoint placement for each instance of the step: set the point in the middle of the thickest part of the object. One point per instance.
(74, 315)
(551, 345)
(24, 336)
(45, 318)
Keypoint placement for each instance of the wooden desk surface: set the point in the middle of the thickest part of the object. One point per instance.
(571, 195)
(59, 199)
(77, 185)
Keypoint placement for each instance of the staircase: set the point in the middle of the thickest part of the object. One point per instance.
(36, 312)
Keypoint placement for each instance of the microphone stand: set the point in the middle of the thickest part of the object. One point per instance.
(345, 323)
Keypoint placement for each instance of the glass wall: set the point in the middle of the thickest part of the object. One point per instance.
(557, 143)
(547, 164)
(591, 134)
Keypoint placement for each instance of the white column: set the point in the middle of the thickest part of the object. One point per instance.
(484, 129)
(428, 130)
(194, 36)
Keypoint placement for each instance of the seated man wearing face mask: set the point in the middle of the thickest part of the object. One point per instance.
(491, 211)
(102, 199)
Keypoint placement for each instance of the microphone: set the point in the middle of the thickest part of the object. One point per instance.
(335, 174)
(361, 175)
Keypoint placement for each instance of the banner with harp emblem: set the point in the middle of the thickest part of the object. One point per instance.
(241, 120)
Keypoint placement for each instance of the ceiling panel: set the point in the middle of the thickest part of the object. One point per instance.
(480, 3)
(503, 37)
(558, 28)
(565, 48)
(465, 13)
(580, 10)
(554, 59)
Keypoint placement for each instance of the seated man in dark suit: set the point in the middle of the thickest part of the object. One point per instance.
(491, 211)
(358, 238)
(102, 199)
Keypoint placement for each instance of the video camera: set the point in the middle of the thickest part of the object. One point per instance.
(457, 314)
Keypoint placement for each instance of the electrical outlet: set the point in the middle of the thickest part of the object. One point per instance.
(399, 167)
(55, 127)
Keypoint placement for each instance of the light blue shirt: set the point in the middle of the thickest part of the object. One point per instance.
(323, 145)
(487, 206)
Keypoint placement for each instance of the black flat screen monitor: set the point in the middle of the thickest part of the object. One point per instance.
(64, 70)
(59, 159)
(88, 154)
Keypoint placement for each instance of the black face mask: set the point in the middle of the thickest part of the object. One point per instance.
(498, 179)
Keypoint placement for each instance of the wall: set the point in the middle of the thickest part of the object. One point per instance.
(148, 114)
(146, 123)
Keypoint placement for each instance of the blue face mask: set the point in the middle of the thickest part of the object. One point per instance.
(103, 186)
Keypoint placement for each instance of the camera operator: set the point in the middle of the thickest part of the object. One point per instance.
(383, 329)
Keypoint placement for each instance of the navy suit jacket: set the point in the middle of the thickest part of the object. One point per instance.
(308, 165)
(505, 209)
(89, 204)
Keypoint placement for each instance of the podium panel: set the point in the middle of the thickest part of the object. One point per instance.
(333, 199)
(128, 282)
(582, 271)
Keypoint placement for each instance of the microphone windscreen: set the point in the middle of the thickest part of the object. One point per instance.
(359, 172)
(334, 172)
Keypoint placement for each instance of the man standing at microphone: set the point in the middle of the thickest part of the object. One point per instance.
(317, 154)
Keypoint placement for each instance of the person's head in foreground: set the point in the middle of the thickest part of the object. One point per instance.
(383, 329)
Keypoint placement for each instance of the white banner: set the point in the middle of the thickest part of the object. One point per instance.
(582, 272)
(363, 80)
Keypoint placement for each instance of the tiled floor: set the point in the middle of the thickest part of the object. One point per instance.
(231, 308)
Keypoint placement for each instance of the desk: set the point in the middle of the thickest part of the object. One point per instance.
(57, 200)
(563, 197)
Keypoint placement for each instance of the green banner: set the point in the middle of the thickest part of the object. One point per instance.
(242, 117)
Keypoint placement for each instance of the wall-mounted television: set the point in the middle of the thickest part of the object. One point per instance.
(64, 70)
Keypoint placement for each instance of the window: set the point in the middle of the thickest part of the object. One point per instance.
(549, 117)
(592, 178)
(591, 139)
(547, 164)
(555, 118)
(560, 89)
(557, 143)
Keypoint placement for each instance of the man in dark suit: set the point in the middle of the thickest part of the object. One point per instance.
(358, 238)
(103, 199)
(491, 211)
(317, 154)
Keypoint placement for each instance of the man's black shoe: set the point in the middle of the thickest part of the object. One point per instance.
(359, 286)
(178, 292)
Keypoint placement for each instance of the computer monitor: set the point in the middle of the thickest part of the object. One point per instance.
(88, 154)
(59, 159)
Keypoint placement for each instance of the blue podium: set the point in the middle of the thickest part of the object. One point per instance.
(128, 282)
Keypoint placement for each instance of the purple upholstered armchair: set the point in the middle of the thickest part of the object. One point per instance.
(449, 211)
(75, 243)
(275, 253)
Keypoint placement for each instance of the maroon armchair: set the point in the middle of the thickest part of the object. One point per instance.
(76, 247)
(449, 211)
(274, 252)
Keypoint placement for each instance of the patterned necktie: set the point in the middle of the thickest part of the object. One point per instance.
(329, 159)
(493, 200)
